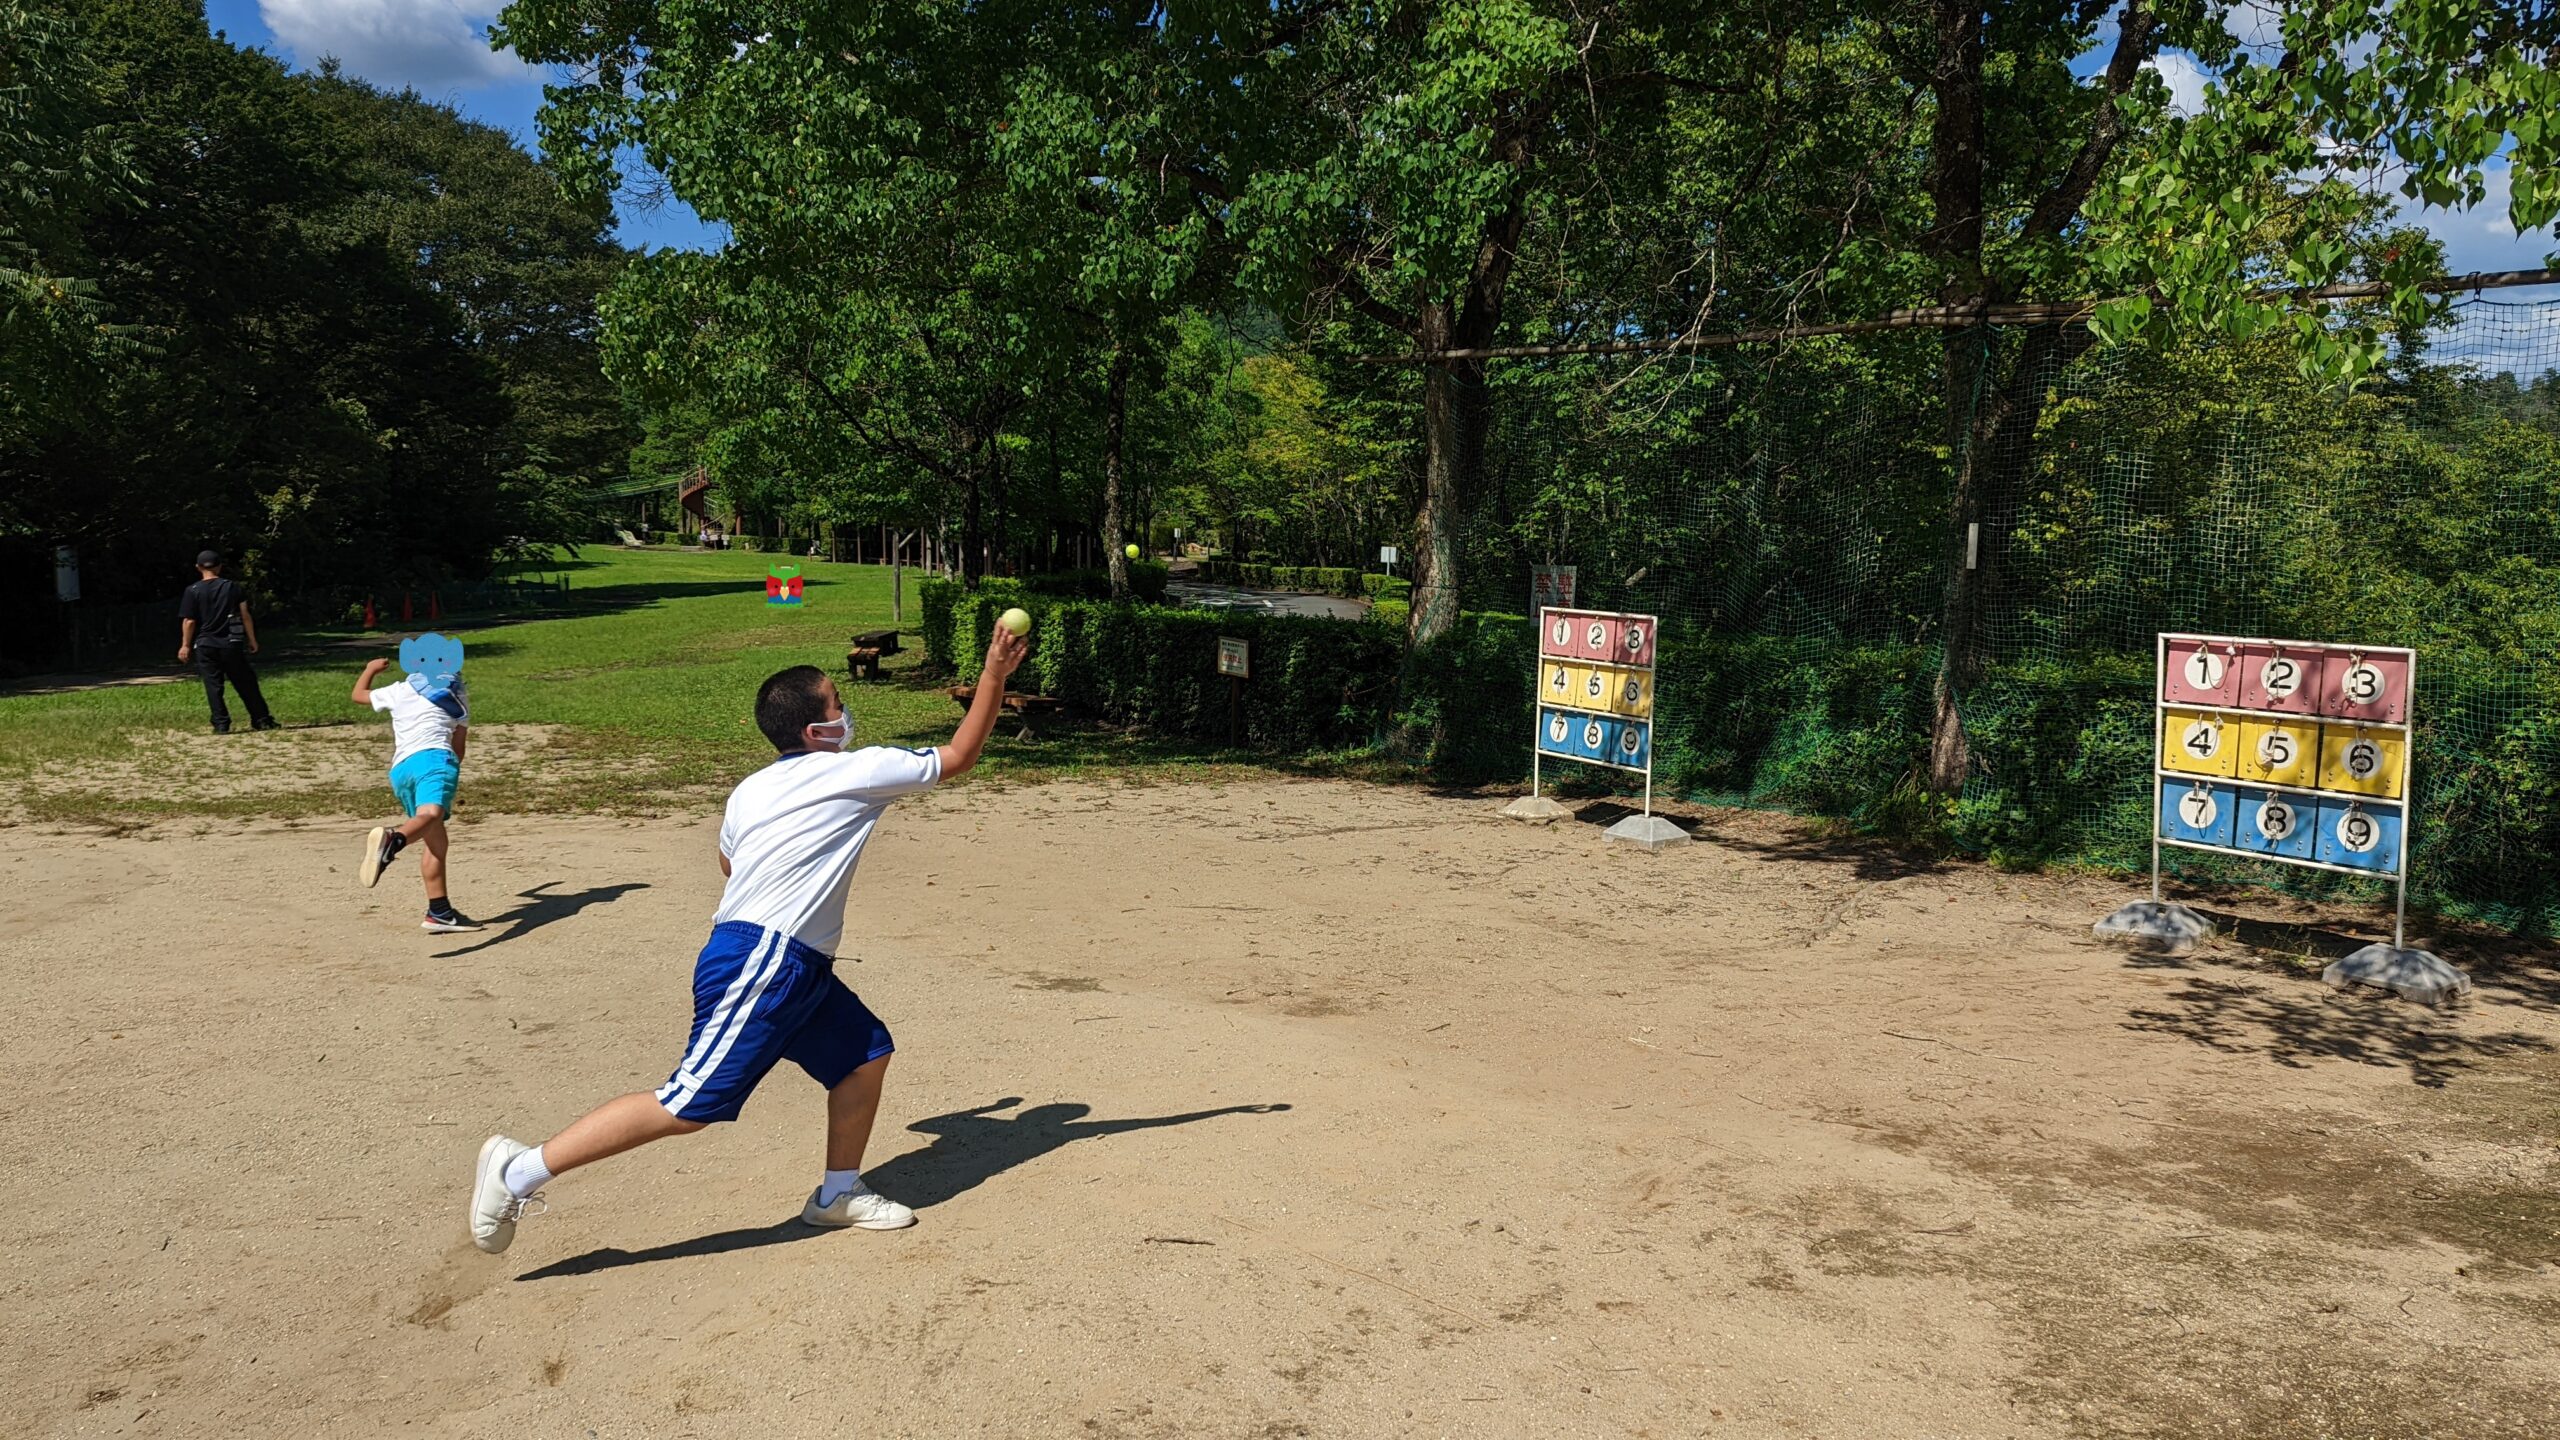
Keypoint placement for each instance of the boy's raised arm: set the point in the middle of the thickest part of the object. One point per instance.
(363, 693)
(1004, 652)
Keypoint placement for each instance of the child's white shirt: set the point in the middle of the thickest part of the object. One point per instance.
(417, 723)
(794, 830)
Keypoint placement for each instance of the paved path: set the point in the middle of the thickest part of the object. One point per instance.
(1275, 602)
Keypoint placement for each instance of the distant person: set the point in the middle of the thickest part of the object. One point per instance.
(213, 627)
(765, 988)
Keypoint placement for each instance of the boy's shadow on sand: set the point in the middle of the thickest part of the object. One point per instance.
(969, 1148)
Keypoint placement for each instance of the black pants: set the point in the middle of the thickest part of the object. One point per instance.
(217, 663)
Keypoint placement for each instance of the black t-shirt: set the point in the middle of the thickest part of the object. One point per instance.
(215, 607)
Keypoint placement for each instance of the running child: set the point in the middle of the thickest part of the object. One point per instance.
(430, 728)
(764, 987)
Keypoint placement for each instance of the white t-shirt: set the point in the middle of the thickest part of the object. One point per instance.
(794, 829)
(418, 723)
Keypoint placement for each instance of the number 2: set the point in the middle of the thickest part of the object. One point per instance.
(2280, 678)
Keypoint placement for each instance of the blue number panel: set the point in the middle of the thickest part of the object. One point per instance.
(2199, 812)
(2359, 834)
(2271, 822)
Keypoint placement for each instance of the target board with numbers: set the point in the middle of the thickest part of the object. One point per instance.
(1595, 687)
(2285, 750)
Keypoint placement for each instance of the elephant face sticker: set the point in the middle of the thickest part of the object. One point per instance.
(434, 663)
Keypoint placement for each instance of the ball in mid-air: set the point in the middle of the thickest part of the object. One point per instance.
(1017, 620)
(1132, 552)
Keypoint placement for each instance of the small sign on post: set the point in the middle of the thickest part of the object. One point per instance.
(66, 574)
(1550, 585)
(1235, 661)
(1387, 557)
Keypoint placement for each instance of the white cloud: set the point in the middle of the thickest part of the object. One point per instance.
(2185, 76)
(434, 45)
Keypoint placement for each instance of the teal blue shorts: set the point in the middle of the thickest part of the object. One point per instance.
(429, 777)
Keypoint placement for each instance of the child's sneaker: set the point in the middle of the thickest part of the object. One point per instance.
(494, 1208)
(445, 922)
(858, 1207)
(380, 844)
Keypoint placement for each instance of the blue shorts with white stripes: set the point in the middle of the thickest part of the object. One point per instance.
(759, 998)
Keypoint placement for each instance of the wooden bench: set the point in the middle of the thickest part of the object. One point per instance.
(862, 662)
(1030, 709)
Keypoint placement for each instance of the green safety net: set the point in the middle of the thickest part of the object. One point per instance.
(1786, 510)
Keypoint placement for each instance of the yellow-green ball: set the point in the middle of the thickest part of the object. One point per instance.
(1132, 552)
(1017, 620)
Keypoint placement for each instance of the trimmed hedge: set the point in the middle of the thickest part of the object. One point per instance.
(1310, 579)
(1317, 684)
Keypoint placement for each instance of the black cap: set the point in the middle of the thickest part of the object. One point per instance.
(208, 559)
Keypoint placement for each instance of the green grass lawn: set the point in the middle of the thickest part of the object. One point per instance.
(648, 667)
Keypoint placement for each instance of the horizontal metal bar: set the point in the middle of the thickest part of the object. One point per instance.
(2292, 644)
(2190, 777)
(1605, 764)
(2280, 859)
(2164, 706)
(1940, 317)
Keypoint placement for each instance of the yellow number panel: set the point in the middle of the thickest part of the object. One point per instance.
(2360, 761)
(2280, 752)
(2199, 742)
(1627, 692)
(1560, 683)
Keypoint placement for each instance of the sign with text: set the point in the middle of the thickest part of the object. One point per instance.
(1235, 657)
(1550, 587)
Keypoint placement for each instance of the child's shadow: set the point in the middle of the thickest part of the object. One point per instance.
(972, 1146)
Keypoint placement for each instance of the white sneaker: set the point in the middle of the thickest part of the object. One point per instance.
(370, 868)
(859, 1208)
(494, 1209)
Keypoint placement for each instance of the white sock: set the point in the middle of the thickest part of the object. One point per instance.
(526, 1173)
(837, 1185)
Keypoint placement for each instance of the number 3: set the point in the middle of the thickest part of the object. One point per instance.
(2362, 684)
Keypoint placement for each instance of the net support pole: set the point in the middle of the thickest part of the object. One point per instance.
(2159, 718)
(2408, 804)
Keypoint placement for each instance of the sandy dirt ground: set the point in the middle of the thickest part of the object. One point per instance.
(1268, 1109)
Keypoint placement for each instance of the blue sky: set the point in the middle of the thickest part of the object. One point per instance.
(440, 47)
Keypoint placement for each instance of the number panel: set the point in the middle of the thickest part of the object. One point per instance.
(2276, 753)
(2361, 835)
(2199, 742)
(2360, 761)
(2369, 685)
(2201, 672)
(2273, 823)
(2284, 678)
(2199, 812)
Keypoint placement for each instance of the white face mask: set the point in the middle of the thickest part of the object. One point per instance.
(833, 734)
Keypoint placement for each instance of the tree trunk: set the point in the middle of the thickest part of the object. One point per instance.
(1956, 181)
(1115, 421)
(1435, 561)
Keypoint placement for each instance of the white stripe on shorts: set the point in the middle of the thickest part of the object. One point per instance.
(737, 1003)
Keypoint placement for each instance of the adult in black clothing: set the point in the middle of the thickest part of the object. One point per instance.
(213, 628)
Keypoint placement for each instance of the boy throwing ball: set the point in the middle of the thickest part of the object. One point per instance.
(764, 987)
(430, 725)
